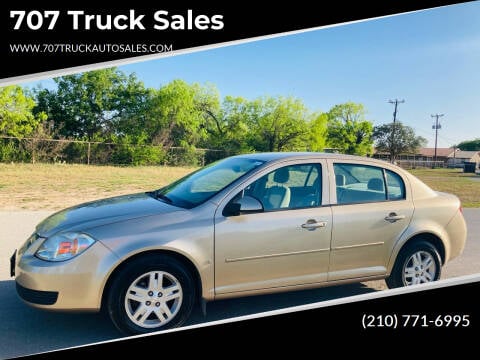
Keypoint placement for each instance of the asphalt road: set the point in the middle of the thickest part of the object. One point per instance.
(24, 330)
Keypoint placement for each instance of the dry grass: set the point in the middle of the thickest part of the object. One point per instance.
(54, 187)
(465, 186)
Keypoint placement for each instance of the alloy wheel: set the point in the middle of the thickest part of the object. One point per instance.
(153, 299)
(419, 268)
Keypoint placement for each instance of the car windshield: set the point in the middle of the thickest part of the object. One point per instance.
(201, 185)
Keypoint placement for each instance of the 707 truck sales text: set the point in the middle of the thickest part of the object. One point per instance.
(162, 20)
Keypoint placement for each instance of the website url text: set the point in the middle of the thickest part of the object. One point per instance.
(90, 48)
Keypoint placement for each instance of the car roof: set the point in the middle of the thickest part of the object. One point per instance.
(274, 156)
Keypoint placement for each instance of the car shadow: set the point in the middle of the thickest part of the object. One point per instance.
(25, 330)
(223, 309)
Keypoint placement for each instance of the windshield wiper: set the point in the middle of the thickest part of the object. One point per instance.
(163, 197)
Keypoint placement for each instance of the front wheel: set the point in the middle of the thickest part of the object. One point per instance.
(152, 293)
(417, 263)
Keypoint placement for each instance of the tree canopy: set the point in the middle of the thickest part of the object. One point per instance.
(16, 116)
(469, 145)
(279, 124)
(348, 130)
(89, 105)
(404, 139)
(109, 106)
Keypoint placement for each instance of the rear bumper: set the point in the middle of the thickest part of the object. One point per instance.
(457, 232)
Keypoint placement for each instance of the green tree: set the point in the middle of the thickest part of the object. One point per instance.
(348, 130)
(228, 127)
(130, 107)
(16, 117)
(404, 139)
(469, 145)
(133, 151)
(89, 105)
(318, 127)
(279, 124)
(177, 113)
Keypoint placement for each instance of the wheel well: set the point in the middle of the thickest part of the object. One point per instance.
(432, 239)
(190, 266)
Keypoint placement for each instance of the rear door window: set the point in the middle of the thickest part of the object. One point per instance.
(395, 186)
(357, 183)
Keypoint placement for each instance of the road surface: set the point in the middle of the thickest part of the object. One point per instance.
(24, 330)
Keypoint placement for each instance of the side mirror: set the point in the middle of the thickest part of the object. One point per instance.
(245, 205)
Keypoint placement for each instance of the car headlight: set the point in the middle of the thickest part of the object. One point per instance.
(28, 243)
(64, 246)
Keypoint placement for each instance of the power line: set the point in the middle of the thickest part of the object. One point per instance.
(392, 140)
(452, 141)
(446, 138)
(436, 126)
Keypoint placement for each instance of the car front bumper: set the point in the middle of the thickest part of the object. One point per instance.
(72, 285)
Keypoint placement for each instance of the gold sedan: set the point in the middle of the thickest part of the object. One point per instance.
(249, 224)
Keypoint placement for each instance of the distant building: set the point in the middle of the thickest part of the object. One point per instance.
(423, 154)
(428, 154)
(459, 157)
(425, 157)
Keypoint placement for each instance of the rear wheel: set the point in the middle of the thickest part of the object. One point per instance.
(152, 293)
(417, 263)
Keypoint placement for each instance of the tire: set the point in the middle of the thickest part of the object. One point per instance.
(151, 293)
(417, 263)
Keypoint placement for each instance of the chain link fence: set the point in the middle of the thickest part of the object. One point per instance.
(34, 150)
(412, 162)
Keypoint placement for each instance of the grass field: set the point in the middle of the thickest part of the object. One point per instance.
(465, 186)
(53, 187)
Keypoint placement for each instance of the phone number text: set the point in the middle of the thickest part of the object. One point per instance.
(395, 321)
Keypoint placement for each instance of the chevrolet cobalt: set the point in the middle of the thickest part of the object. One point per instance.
(245, 225)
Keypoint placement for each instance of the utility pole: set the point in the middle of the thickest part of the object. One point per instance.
(392, 140)
(436, 126)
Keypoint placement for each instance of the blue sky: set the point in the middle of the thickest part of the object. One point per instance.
(430, 58)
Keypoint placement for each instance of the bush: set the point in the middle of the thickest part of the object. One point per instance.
(185, 156)
(119, 152)
(11, 151)
(127, 154)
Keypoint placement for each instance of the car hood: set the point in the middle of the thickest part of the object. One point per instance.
(102, 212)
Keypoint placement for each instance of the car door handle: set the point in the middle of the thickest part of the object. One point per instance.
(393, 217)
(313, 224)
